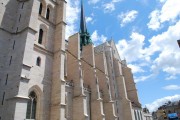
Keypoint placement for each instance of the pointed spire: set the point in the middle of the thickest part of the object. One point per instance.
(85, 37)
(83, 21)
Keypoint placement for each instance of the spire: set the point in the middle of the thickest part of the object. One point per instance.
(85, 37)
(83, 21)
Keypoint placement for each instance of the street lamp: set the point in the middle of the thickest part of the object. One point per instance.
(178, 41)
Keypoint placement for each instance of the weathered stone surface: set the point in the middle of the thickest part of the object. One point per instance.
(93, 84)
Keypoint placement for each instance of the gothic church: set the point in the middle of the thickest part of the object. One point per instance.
(45, 77)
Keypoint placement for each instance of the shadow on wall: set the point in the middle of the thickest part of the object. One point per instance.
(7, 23)
(47, 82)
(8, 14)
(11, 54)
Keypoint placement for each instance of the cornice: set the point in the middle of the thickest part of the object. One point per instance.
(15, 33)
(43, 50)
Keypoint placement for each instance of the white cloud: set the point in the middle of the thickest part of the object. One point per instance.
(135, 68)
(93, 1)
(71, 17)
(98, 38)
(171, 77)
(165, 40)
(169, 62)
(162, 1)
(172, 87)
(109, 7)
(132, 49)
(154, 22)
(165, 45)
(157, 103)
(162, 53)
(94, 36)
(89, 19)
(127, 17)
(142, 78)
(170, 11)
(103, 38)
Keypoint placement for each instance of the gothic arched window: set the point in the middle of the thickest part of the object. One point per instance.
(48, 13)
(31, 106)
(38, 61)
(40, 36)
(40, 8)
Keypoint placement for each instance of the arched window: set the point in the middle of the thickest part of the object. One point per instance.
(40, 8)
(38, 61)
(47, 13)
(40, 36)
(31, 106)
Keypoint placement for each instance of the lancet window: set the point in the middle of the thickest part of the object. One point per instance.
(48, 13)
(41, 32)
(38, 61)
(40, 8)
(31, 106)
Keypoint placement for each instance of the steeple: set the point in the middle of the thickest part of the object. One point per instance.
(83, 20)
(85, 37)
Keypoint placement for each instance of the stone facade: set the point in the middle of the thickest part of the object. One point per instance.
(43, 77)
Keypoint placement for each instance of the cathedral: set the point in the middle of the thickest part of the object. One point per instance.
(45, 77)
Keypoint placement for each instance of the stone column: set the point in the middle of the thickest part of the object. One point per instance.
(104, 85)
(58, 82)
(79, 99)
(109, 103)
(91, 79)
(75, 73)
(126, 107)
(97, 110)
(24, 34)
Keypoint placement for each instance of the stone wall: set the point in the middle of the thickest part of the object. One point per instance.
(70, 84)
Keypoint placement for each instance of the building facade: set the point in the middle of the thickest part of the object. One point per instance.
(147, 114)
(166, 109)
(44, 77)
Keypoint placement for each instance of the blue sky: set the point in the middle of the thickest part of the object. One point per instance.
(145, 33)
